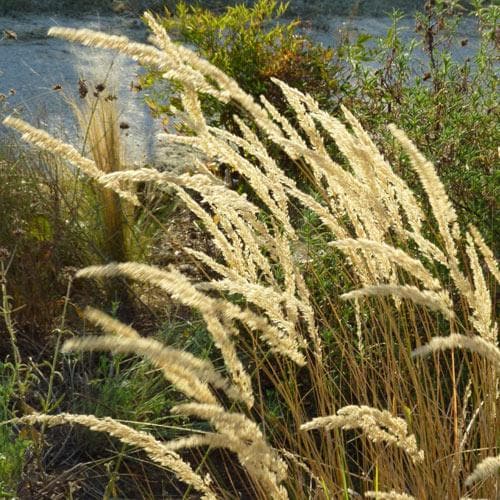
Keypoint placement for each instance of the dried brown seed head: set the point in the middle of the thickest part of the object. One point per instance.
(83, 89)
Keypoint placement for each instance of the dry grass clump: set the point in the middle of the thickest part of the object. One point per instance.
(100, 124)
(277, 323)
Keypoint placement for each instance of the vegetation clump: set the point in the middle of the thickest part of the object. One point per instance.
(293, 359)
(326, 330)
(421, 82)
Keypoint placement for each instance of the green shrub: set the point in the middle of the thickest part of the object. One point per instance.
(251, 44)
(448, 103)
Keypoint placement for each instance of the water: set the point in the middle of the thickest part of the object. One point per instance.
(34, 64)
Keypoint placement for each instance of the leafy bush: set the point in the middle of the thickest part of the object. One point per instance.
(448, 102)
(251, 44)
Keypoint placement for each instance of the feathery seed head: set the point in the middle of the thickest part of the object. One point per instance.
(490, 466)
(473, 343)
(388, 495)
(377, 425)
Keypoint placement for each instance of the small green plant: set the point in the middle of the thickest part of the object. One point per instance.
(122, 387)
(16, 380)
(13, 446)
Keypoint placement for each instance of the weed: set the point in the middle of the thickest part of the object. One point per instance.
(13, 446)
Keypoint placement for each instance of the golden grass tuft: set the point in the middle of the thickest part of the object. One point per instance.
(287, 340)
(99, 123)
